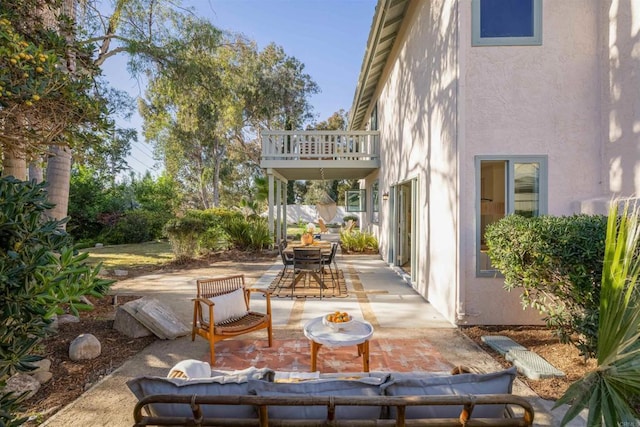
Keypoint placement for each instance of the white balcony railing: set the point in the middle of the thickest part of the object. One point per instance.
(320, 145)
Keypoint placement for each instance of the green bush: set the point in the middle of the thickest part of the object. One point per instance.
(348, 218)
(132, 227)
(358, 241)
(40, 275)
(184, 234)
(214, 239)
(557, 261)
(248, 234)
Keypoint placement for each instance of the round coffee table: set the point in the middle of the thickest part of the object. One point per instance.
(356, 332)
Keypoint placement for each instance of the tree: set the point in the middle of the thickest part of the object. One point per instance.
(39, 275)
(208, 104)
(41, 103)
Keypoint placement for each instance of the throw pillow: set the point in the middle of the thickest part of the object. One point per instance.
(228, 307)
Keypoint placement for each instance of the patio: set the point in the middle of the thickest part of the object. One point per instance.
(376, 294)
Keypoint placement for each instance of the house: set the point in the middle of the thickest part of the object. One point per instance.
(482, 108)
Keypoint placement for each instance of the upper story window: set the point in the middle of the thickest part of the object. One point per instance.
(506, 22)
(508, 185)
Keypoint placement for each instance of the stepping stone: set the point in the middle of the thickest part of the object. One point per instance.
(531, 365)
(501, 344)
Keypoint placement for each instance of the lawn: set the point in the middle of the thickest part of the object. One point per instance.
(125, 257)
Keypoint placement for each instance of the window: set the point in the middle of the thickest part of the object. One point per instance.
(373, 121)
(506, 22)
(375, 201)
(514, 185)
(356, 200)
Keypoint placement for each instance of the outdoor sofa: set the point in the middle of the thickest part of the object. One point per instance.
(263, 397)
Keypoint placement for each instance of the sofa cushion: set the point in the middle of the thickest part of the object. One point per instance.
(321, 387)
(441, 384)
(223, 383)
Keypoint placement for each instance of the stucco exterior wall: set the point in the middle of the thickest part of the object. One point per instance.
(528, 100)
(621, 96)
(417, 118)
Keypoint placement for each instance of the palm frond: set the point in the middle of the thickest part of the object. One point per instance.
(607, 391)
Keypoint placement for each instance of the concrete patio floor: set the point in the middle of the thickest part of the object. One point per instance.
(376, 293)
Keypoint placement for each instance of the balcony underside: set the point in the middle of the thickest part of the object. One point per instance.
(295, 170)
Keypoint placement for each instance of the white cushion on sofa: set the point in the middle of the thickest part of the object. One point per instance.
(437, 384)
(227, 307)
(191, 368)
(224, 383)
(329, 387)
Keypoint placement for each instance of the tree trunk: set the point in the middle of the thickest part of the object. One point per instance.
(15, 165)
(35, 170)
(58, 179)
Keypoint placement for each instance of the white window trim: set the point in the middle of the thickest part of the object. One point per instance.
(544, 196)
(535, 40)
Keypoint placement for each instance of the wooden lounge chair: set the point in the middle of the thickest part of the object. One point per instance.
(229, 299)
(322, 225)
(349, 226)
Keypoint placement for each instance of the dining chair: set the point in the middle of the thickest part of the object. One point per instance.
(287, 260)
(330, 258)
(307, 261)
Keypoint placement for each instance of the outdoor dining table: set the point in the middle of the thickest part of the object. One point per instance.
(325, 247)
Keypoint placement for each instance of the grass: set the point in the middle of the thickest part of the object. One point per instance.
(123, 257)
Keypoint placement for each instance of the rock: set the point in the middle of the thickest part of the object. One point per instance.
(157, 317)
(85, 346)
(128, 325)
(42, 377)
(21, 382)
(120, 273)
(53, 326)
(41, 366)
(99, 245)
(67, 318)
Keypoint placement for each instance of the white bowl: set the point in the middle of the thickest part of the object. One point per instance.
(335, 325)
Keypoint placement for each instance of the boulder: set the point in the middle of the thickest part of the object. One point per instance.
(85, 346)
(21, 382)
(42, 365)
(128, 325)
(42, 377)
(67, 318)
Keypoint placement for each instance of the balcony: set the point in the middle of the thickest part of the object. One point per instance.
(317, 155)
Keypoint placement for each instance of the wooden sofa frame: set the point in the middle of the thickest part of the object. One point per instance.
(513, 404)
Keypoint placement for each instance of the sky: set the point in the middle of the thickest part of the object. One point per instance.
(328, 36)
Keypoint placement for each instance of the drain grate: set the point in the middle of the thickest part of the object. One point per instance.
(501, 344)
(528, 363)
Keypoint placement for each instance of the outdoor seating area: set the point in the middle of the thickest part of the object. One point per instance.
(266, 397)
(308, 269)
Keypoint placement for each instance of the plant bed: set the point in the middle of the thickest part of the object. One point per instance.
(71, 378)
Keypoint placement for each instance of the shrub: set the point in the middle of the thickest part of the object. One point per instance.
(214, 239)
(184, 234)
(348, 218)
(358, 241)
(557, 261)
(132, 227)
(40, 275)
(252, 234)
